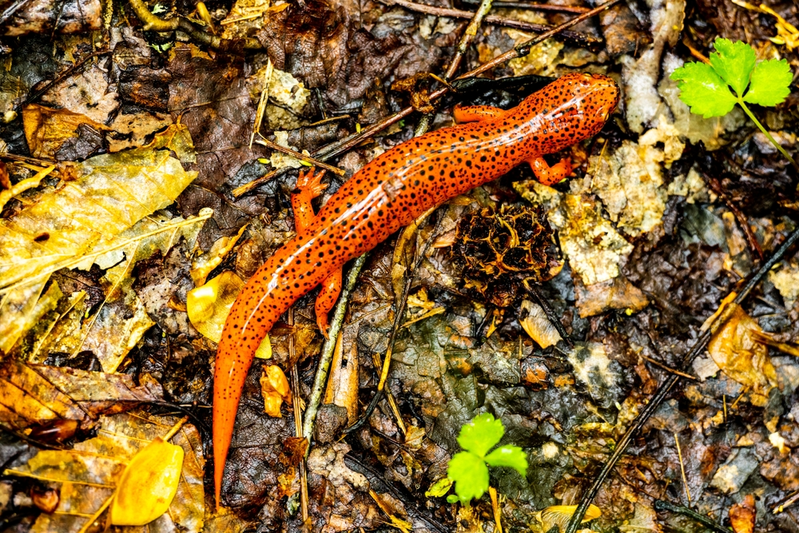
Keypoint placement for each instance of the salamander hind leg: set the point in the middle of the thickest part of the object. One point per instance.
(309, 186)
(328, 294)
(476, 113)
(550, 175)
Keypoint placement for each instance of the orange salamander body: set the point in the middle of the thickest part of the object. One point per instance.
(387, 194)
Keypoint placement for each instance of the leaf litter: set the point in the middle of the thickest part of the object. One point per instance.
(650, 248)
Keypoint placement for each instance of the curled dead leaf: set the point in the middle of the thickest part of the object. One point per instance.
(205, 263)
(275, 390)
(739, 353)
(538, 326)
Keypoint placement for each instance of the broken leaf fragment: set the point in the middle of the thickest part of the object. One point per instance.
(205, 263)
(50, 132)
(275, 390)
(148, 484)
(439, 489)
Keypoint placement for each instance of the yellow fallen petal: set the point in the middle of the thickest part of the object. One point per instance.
(148, 484)
(561, 514)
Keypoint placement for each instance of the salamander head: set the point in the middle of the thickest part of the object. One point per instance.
(593, 96)
(570, 109)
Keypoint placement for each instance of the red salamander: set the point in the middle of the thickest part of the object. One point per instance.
(387, 194)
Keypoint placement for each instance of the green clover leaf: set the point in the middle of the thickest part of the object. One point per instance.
(708, 89)
(703, 90)
(468, 468)
(733, 62)
(510, 456)
(470, 475)
(770, 83)
(481, 434)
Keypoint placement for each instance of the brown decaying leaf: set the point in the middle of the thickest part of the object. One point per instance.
(46, 396)
(618, 293)
(49, 131)
(737, 351)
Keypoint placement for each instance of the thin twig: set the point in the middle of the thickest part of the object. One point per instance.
(302, 157)
(662, 505)
(327, 351)
(247, 187)
(790, 500)
(540, 7)
(467, 38)
(262, 101)
(682, 468)
(667, 368)
(296, 402)
(672, 380)
(573, 36)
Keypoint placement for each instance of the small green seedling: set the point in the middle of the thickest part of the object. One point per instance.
(468, 468)
(734, 77)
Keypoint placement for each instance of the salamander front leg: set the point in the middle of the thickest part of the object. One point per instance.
(550, 175)
(309, 186)
(476, 113)
(329, 291)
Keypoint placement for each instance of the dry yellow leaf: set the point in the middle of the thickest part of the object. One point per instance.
(209, 305)
(87, 476)
(148, 484)
(111, 193)
(80, 221)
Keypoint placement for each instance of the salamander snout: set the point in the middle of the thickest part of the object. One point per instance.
(598, 96)
(605, 94)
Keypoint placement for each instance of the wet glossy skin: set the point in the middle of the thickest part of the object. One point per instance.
(389, 193)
